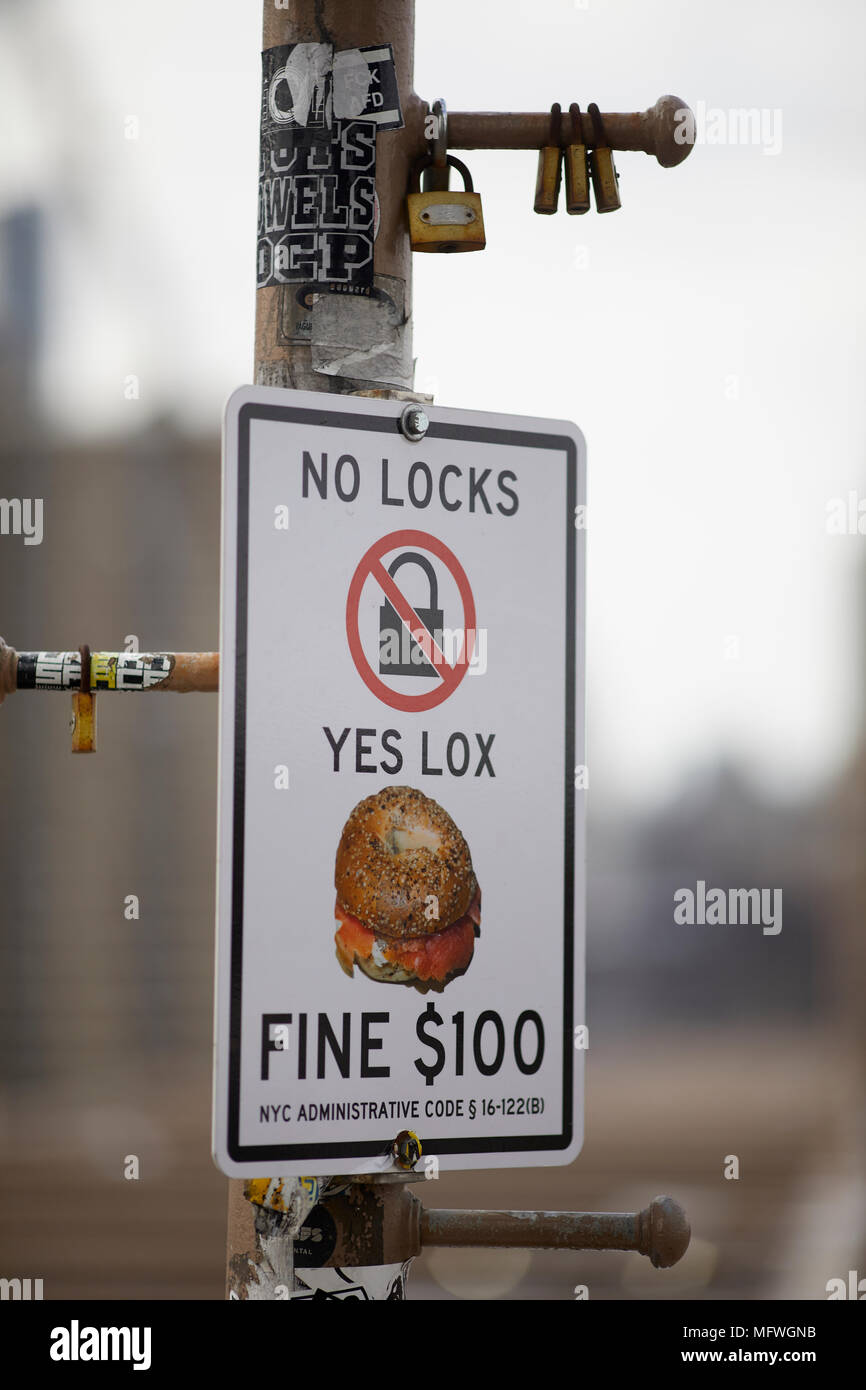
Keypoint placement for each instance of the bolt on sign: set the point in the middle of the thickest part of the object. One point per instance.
(401, 822)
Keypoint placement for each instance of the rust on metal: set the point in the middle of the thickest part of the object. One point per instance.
(83, 723)
(661, 1231)
(192, 671)
(181, 672)
(84, 679)
(661, 130)
(376, 1224)
(8, 670)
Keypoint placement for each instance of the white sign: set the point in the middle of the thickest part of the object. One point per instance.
(401, 803)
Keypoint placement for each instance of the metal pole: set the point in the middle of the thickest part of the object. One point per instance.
(180, 672)
(660, 1231)
(665, 130)
(279, 361)
(354, 346)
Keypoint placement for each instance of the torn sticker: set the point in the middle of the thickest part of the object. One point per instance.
(365, 86)
(366, 1283)
(49, 670)
(320, 114)
(298, 91)
(316, 1239)
(365, 338)
(297, 305)
(108, 670)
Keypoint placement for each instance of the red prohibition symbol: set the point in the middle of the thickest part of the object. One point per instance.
(371, 567)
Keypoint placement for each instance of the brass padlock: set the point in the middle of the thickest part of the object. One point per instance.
(82, 725)
(576, 166)
(605, 179)
(449, 220)
(550, 165)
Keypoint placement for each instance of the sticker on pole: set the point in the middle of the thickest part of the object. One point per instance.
(400, 936)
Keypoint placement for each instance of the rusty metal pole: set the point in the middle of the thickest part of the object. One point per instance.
(661, 1231)
(377, 338)
(356, 344)
(180, 672)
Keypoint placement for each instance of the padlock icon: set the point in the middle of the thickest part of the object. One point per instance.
(576, 167)
(605, 179)
(447, 220)
(399, 653)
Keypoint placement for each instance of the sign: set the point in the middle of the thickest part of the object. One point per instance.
(401, 818)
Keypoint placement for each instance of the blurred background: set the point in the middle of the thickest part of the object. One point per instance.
(708, 341)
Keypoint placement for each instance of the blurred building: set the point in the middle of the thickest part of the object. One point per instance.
(21, 310)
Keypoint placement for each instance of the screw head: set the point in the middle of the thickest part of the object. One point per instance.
(406, 1149)
(414, 422)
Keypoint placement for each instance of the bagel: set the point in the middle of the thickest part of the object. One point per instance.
(408, 902)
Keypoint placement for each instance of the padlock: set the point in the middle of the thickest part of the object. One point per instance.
(82, 725)
(445, 221)
(550, 165)
(605, 179)
(400, 654)
(576, 167)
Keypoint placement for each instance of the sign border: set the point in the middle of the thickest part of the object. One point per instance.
(272, 1154)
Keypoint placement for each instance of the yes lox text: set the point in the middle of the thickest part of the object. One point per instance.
(460, 754)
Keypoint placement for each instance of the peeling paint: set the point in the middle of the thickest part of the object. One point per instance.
(295, 1197)
(281, 1206)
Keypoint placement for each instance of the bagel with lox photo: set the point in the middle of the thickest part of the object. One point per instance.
(408, 902)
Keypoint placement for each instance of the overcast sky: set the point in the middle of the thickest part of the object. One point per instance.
(707, 339)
